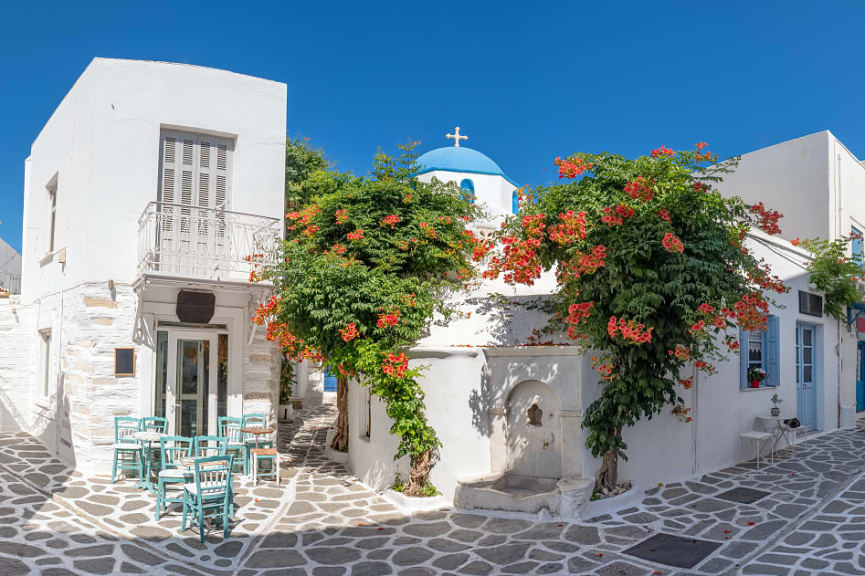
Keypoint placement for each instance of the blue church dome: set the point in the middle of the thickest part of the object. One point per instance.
(459, 159)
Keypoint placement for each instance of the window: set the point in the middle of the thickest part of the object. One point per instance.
(759, 350)
(45, 361)
(468, 190)
(856, 246)
(515, 202)
(810, 304)
(51, 188)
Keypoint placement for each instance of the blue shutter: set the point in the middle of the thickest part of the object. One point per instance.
(856, 245)
(770, 353)
(515, 202)
(743, 359)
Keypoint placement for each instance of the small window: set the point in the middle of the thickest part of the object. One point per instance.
(536, 415)
(810, 304)
(45, 361)
(515, 202)
(468, 190)
(759, 351)
(51, 215)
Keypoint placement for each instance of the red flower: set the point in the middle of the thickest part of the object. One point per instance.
(701, 145)
(391, 220)
(356, 235)
(664, 215)
(395, 365)
(662, 151)
(349, 332)
(572, 168)
(767, 219)
(672, 243)
(795, 241)
(342, 216)
(388, 320)
(639, 189)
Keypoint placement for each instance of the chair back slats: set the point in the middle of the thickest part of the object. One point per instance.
(173, 448)
(253, 421)
(210, 446)
(212, 476)
(154, 424)
(125, 428)
(229, 428)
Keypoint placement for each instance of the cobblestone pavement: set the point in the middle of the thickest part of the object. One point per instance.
(322, 521)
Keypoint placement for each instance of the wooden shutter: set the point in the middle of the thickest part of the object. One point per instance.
(771, 350)
(743, 358)
(169, 178)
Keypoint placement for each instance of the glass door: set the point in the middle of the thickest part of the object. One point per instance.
(193, 377)
(806, 376)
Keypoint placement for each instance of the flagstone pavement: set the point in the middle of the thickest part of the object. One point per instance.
(322, 521)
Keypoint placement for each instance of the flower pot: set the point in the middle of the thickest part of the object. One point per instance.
(775, 411)
(755, 383)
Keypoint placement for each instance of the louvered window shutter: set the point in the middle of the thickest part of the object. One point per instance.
(743, 358)
(169, 178)
(772, 350)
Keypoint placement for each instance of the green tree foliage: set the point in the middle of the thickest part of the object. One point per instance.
(834, 273)
(366, 263)
(652, 274)
(301, 162)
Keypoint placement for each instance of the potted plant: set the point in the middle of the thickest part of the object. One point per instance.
(776, 400)
(755, 376)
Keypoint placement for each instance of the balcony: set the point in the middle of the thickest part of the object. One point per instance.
(202, 243)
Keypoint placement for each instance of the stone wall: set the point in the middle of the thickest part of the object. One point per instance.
(260, 374)
(16, 360)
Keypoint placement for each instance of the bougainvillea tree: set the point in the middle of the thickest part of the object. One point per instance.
(366, 263)
(653, 277)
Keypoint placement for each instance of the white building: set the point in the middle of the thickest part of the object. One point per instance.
(144, 193)
(483, 388)
(817, 183)
(10, 268)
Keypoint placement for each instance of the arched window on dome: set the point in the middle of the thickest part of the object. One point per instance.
(468, 188)
(515, 202)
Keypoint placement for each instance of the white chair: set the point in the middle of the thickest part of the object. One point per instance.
(759, 438)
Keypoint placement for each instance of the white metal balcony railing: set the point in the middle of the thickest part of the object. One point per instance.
(210, 243)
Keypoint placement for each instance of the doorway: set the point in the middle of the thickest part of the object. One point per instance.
(807, 375)
(191, 380)
(860, 376)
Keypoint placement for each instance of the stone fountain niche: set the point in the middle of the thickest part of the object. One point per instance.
(535, 439)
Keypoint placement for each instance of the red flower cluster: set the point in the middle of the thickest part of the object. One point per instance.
(589, 263)
(751, 312)
(391, 220)
(682, 353)
(342, 216)
(310, 230)
(663, 214)
(303, 217)
(520, 256)
(767, 219)
(732, 343)
(349, 333)
(672, 243)
(682, 413)
(629, 330)
(639, 189)
(767, 281)
(698, 327)
(571, 228)
(338, 248)
(388, 320)
(662, 151)
(572, 168)
(266, 310)
(395, 365)
(614, 216)
(701, 187)
(577, 313)
(686, 383)
(606, 372)
(356, 235)
(704, 367)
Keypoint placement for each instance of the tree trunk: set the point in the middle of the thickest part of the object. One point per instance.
(340, 439)
(608, 476)
(419, 475)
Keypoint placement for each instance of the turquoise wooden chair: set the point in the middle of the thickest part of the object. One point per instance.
(154, 424)
(209, 446)
(209, 496)
(229, 428)
(171, 449)
(126, 446)
(256, 421)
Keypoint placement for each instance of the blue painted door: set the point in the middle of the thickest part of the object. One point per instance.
(329, 382)
(860, 377)
(806, 376)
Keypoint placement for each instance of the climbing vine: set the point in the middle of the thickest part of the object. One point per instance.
(366, 263)
(653, 277)
(834, 273)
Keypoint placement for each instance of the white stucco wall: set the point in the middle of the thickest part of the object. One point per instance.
(16, 358)
(10, 268)
(103, 144)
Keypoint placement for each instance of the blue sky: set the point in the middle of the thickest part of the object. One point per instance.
(526, 81)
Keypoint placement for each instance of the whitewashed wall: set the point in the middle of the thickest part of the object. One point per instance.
(16, 358)
(492, 192)
(10, 267)
(103, 143)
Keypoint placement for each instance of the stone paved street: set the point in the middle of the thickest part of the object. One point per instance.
(322, 521)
